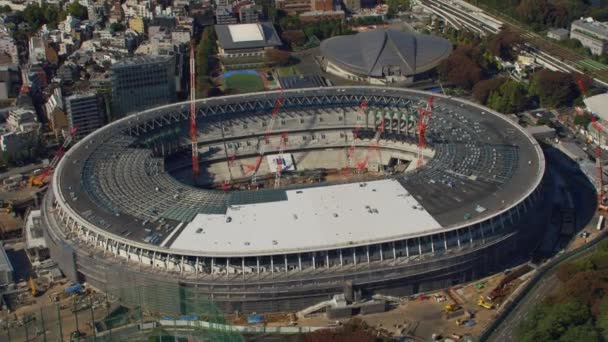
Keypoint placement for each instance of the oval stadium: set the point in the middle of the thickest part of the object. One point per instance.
(359, 209)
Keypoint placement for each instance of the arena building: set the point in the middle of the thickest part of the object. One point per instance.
(123, 212)
(384, 56)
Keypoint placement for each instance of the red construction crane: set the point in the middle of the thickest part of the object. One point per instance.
(280, 159)
(193, 135)
(423, 122)
(374, 145)
(351, 149)
(41, 179)
(598, 150)
(262, 149)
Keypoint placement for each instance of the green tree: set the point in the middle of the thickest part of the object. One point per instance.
(395, 6)
(510, 97)
(554, 88)
(76, 10)
(117, 27)
(483, 89)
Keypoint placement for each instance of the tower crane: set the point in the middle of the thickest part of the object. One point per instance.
(351, 149)
(423, 122)
(262, 148)
(193, 135)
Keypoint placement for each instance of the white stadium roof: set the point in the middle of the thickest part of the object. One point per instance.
(314, 217)
(246, 33)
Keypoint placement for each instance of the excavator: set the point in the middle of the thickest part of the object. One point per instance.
(486, 305)
(33, 287)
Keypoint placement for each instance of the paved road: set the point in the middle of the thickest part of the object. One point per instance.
(583, 197)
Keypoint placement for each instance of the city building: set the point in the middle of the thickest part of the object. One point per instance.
(322, 5)
(558, 34)
(37, 50)
(117, 14)
(248, 14)
(352, 6)
(384, 56)
(225, 15)
(20, 119)
(137, 24)
(10, 78)
(314, 16)
(294, 7)
(142, 82)
(592, 34)
(245, 45)
(8, 46)
(7, 272)
(55, 113)
(35, 246)
(85, 111)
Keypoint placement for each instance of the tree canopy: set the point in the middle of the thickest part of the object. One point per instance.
(510, 97)
(483, 89)
(76, 10)
(501, 45)
(578, 310)
(463, 67)
(554, 88)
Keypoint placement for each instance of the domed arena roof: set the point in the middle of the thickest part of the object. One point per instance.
(369, 53)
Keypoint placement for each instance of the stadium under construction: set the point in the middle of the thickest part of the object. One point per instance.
(338, 195)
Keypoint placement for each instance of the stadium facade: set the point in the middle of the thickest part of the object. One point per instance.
(117, 220)
(384, 56)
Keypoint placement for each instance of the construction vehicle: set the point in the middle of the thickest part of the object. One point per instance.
(77, 335)
(451, 307)
(33, 287)
(7, 207)
(486, 305)
(43, 178)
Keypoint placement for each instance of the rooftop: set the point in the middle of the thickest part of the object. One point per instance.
(5, 263)
(598, 105)
(246, 33)
(321, 217)
(483, 165)
(369, 53)
(596, 27)
(246, 36)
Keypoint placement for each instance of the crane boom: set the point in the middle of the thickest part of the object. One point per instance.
(262, 149)
(423, 122)
(193, 135)
(351, 149)
(39, 180)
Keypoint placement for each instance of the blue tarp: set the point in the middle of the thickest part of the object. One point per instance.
(255, 318)
(74, 289)
(237, 72)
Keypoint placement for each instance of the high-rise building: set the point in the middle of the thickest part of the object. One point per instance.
(84, 111)
(142, 82)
